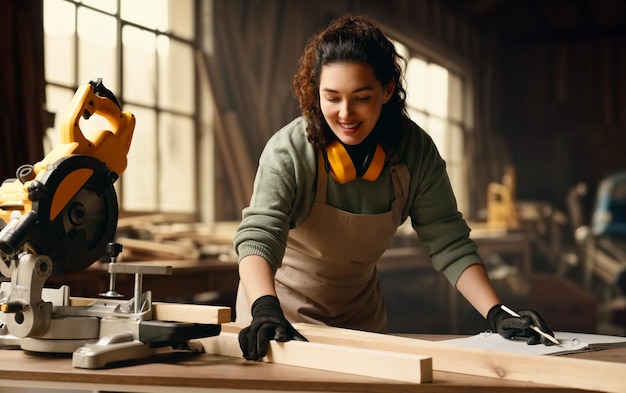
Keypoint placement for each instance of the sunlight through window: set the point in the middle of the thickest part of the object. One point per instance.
(435, 102)
(144, 53)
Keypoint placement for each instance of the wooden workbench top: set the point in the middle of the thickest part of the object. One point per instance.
(189, 372)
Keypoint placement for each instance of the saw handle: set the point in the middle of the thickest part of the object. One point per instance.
(101, 91)
(109, 146)
(94, 98)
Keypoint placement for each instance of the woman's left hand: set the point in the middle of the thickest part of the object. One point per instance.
(509, 326)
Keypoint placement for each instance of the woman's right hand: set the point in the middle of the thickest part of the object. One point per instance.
(268, 323)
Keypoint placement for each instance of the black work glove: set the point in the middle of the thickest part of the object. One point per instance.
(268, 323)
(509, 326)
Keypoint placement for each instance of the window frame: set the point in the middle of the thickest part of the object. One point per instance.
(200, 193)
(431, 53)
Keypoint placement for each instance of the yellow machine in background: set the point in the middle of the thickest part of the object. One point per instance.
(501, 208)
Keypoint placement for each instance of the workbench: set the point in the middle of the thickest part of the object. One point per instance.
(186, 372)
(506, 243)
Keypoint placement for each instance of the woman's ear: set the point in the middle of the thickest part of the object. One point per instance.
(388, 90)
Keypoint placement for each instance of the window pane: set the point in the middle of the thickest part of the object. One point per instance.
(176, 75)
(404, 52)
(148, 13)
(401, 49)
(139, 65)
(417, 83)
(418, 117)
(437, 102)
(456, 166)
(59, 30)
(458, 180)
(57, 102)
(81, 44)
(456, 143)
(109, 6)
(455, 97)
(177, 174)
(140, 180)
(97, 34)
(437, 130)
(181, 18)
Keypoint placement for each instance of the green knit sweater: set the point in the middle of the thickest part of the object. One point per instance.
(284, 191)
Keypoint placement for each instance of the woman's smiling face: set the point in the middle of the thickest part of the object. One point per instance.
(351, 100)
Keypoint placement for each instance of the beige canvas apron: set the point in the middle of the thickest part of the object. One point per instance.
(328, 275)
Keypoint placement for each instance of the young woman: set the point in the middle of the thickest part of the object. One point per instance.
(331, 189)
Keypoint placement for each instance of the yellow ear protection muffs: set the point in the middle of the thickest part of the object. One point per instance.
(342, 167)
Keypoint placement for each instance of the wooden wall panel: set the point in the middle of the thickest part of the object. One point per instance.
(563, 116)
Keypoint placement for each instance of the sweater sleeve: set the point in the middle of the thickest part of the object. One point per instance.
(282, 195)
(434, 212)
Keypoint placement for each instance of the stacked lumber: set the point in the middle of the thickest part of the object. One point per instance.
(172, 237)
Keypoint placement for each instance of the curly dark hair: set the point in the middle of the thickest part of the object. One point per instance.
(355, 39)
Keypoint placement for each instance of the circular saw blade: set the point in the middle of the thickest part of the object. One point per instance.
(75, 234)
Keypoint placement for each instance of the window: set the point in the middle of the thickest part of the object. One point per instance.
(147, 59)
(435, 101)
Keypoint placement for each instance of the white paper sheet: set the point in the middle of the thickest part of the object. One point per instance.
(570, 342)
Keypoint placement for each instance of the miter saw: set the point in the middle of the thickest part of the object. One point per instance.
(60, 215)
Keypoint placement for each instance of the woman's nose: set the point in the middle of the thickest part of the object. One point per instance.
(345, 110)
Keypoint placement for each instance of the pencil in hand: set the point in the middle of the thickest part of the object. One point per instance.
(533, 327)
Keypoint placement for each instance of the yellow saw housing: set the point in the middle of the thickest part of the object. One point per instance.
(80, 162)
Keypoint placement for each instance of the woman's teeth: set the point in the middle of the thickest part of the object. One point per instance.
(349, 126)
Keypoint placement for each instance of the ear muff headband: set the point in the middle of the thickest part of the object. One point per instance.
(342, 168)
(375, 167)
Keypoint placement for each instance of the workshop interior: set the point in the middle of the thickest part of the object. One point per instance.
(129, 140)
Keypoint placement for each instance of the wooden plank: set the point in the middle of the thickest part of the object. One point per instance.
(176, 312)
(199, 233)
(171, 250)
(192, 313)
(550, 370)
(367, 362)
(148, 220)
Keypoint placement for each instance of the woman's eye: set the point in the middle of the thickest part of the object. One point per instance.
(362, 99)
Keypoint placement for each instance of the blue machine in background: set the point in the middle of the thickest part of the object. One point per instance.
(609, 216)
(606, 245)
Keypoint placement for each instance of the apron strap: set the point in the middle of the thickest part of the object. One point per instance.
(322, 179)
(401, 179)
